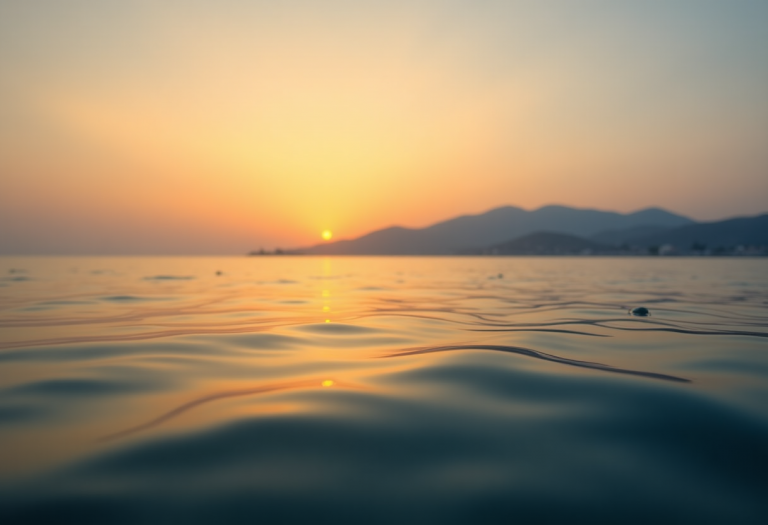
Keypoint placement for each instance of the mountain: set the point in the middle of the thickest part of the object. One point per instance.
(547, 243)
(619, 237)
(742, 231)
(493, 227)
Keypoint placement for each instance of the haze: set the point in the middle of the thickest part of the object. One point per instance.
(216, 127)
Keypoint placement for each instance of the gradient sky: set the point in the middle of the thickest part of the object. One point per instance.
(207, 127)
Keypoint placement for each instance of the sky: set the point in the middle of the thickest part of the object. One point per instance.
(224, 126)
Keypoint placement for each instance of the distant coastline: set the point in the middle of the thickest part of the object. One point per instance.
(558, 231)
(763, 253)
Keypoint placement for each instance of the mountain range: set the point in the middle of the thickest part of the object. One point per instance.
(742, 231)
(499, 225)
(551, 230)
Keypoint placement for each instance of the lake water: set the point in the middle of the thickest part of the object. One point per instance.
(383, 390)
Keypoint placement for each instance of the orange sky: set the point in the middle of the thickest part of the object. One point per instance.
(221, 127)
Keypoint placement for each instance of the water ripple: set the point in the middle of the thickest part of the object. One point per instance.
(209, 398)
(535, 354)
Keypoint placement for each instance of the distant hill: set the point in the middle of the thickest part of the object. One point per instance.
(493, 227)
(619, 237)
(547, 243)
(743, 231)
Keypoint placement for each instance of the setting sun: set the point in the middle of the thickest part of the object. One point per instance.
(327, 234)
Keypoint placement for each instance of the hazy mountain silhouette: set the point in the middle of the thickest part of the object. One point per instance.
(619, 237)
(493, 227)
(721, 237)
(742, 231)
(547, 243)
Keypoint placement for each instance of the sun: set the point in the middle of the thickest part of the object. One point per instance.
(327, 234)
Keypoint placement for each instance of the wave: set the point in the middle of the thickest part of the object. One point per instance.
(535, 354)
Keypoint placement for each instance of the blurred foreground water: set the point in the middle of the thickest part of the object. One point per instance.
(383, 390)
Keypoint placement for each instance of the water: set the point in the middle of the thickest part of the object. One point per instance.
(383, 390)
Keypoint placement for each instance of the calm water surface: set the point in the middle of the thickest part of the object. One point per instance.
(383, 390)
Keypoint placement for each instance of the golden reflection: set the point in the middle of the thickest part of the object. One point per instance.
(327, 273)
(216, 396)
(227, 394)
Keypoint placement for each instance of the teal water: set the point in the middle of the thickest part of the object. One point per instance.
(383, 390)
